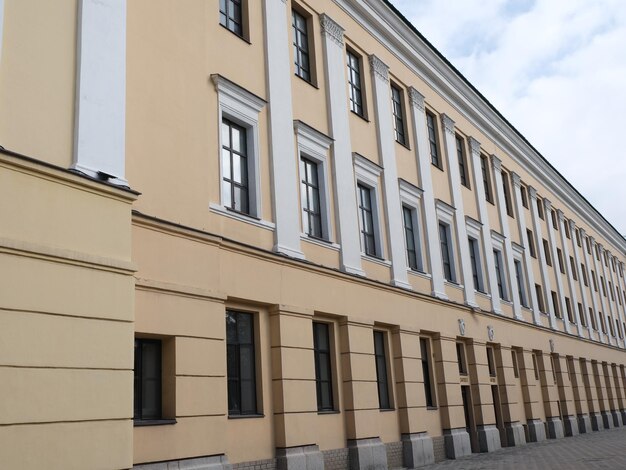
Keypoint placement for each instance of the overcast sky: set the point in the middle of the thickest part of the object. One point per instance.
(556, 69)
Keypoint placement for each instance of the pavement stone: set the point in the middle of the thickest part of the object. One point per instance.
(596, 450)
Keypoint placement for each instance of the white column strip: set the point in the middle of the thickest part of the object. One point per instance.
(555, 262)
(391, 191)
(496, 164)
(483, 214)
(528, 267)
(594, 302)
(581, 280)
(606, 336)
(282, 149)
(609, 310)
(343, 170)
(422, 152)
(99, 148)
(459, 214)
(545, 279)
(568, 270)
(614, 291)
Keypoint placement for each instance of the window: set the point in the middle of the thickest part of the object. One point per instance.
(611, 326)
(491, 362)
(602, 322)
(515, 365)
(497, 259)
(603, 285)
(597, 252)
(553, 368)
(410, 236)
(231, 16)
(354, 84)
(460, 152)
(584, 271)
(476, 265)
(460, 358)
(578, 240)
(555, 225)
(540, 298)
(311, 202)
(235, 191)
(323, 370)
(484, 166)
(521, 282)
(531, 243)
(611, 291)
(593, 319)
(581, 315)
(540, 208)
(535, 366)
(446, 252)
(572, 265)
(397, 104)
(366, 219)
(433, 139)
(559, 255)
(546, 251)
(240, 363)
(555, 304)
(381, 371)
(568, 307)
(301, 46)
(427, 372)
(524, 194)
(147, 386)
(588, 243)
(567, 231)
(507, 194)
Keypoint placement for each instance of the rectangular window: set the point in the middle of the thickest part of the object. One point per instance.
(497, 259)
(553, 369)
(460, 358)
(540, 298)
(584, 271)
(507, 194)
(555, 305)
(515, 365)
(611, 327)
(578, 240)
(354, 84)
(460, 153)
(559, 255)
(323, 370)
(603, 285)
(593, 319)
(240, 363)
(555, 225)
(568, 307)
(427, 372)
(147, 379)
(446, 252)
(411, 239)
(491, 362)
(524, 194)
(536, 366)
(484, 166)
(235, 188)
(546, 251)
(397, 105)
(433, 139)
(572, 265)
(476, 265)
(594, 279)
(540, 208)
(602, 322)
(531, 243)
(368, 233)
(519, 276)
(301, 45)
(567, 232)
(381, 371)
(588, 243)
(581, 314)
(611, 291)
(311, 202)
(231, 16)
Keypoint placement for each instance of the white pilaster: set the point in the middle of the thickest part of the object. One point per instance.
(420, 133)
(608, 304)
(568, 270)
(283, 159)
(343, 170)
(100, 122)
(620, 285)
(459, 214)
(555, 262)
(483, 214)
(545, 279)
(496, 164)
(581, 283)
(594, 302)
(617, 311)
(391, 192)
(594, 244)
(528, 267)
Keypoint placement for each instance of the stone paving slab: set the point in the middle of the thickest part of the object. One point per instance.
(600, 449)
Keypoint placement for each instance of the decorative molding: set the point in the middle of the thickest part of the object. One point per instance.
(448, 123)
(560, 215)
(474, 145)
(551, 342)
(517, 180)
(490, 332)
(445, 209)
(366, 168)
(496, 163)
(409, 191)
(547, 204)
(532, 192)
(462, 326)
(242, 96)
(417, 99)
(379, 68)
(331, 29)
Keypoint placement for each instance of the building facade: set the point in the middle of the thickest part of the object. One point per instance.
(327, 248)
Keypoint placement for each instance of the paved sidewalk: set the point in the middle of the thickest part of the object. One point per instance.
(601, 449)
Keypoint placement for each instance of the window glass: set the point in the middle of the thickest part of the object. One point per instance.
(147, 379)
(311, 206)
(231, 16)
(323, 371)
(381, 370)
(354, 82)
(241, 367)
(398, 115)
(433, 140)
(234, 167)
(368, 237)
(301, 46)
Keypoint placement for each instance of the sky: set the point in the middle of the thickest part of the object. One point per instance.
(556, 70)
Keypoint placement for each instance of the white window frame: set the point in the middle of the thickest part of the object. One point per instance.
(474, 230)
(314, 146)
(243, 108)
(445, 215)
(518, 255)
(367, 173)
(411, 197)
(497, 242)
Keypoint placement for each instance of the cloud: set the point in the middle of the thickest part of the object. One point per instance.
(556, 69)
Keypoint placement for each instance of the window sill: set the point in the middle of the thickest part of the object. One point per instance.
(380, 261)
(440, 168)
(306, 81)
(219, 209)
(152, 422)
(482, 294)
(419, 273)
(386, 410)
(320, 242)
(235, 34)
(453, 284)
(329, 412)
(360, 116)
(406, 146)
(255, 416)
(432, 408)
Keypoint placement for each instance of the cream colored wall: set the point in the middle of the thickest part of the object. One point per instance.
(37, 79)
